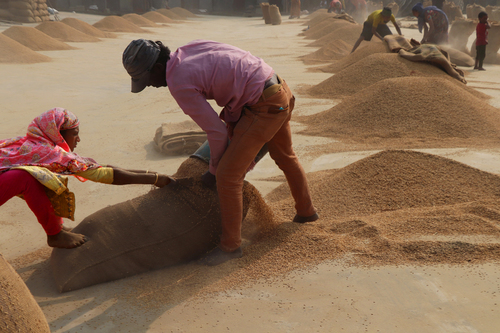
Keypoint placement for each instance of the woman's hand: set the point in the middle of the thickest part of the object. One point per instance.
(163, 180)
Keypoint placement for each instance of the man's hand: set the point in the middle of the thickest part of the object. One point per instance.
(208, 179)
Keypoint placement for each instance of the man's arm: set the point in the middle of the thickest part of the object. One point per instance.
(398, 29)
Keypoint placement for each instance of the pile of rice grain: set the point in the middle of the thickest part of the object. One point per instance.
(87, 28)
(157, 17)
(117, 24)
(139, 20)
(13, 52)
(170, 14)
(363, 51)
(184, 13)
(370, 70)
(328, 53)
(64, 32)
(429, 110)
(35, 39)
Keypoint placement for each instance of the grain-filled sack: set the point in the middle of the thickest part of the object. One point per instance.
(457, 57)
(19, 312)
(459, 34)
(265, 12)
(274, 12)
(168, 226)
(397, 42)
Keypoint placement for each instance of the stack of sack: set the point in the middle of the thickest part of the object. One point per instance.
(25, 11)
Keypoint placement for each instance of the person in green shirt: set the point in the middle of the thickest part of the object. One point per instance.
(376, 24)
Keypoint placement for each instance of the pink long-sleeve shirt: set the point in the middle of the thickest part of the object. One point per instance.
(202, 70)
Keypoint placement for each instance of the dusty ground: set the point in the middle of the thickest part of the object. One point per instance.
(118, 127)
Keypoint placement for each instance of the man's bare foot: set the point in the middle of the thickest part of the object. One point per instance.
(476, 67)
(481, 69)
(217, 256)
(66, 240)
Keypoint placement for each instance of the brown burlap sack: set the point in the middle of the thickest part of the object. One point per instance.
(452, 11)
(179, 138)
(436, 56)
(397, 42)
(473, 10)
(459, 34)
(265, 12)
(394, 7)
(274, 12)
(458, 58)
(168, 226)
(493, 13)
(19, 312)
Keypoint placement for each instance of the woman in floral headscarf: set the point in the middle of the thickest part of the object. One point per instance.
(434, 22)
(36, 166)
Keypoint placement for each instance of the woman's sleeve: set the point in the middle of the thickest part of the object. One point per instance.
(99, 175)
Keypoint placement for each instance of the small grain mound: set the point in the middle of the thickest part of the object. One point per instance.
(139, 20)
(318, 17)
(328, 53)
(35, 39)
(13, 52)
(117, 24)
(170, 14)
(157, 17)
(64, 32)
(184, 13)
(365, 49)
(328, 26)
(333, 35)
(425, 109)
(87, 28)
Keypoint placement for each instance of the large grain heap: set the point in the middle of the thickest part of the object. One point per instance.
(410, 111)
(370, 70)
(35, 39)
(12, 51)
(64, 32)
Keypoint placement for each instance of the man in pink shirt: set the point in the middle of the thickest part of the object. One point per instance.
(256, 109)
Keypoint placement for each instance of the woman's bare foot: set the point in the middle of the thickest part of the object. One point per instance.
(65, 228)
(66, 240)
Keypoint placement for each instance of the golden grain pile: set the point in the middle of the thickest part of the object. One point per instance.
(157, 17)
(87, 28)
(64, 32)
(12, 51)
(117, 24)
(169, 13)
(428, 110)
(35, 39)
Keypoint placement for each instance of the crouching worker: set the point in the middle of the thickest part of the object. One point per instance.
(34, 167)
(257, 106)
(376, 24)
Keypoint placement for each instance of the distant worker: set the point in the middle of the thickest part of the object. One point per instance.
(434, 23)
(335, 7)
(481, 39)
(256, 104)
(376, 24)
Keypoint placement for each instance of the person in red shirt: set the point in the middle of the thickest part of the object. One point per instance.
(481, 39)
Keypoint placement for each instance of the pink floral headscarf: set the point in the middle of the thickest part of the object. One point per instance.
(44, 145)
